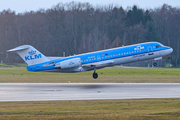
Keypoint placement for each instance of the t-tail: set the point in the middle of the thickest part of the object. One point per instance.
(30, 55)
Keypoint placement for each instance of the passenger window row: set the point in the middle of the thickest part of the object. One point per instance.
(107, 56)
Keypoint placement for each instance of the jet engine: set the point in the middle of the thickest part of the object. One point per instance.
(70, 63)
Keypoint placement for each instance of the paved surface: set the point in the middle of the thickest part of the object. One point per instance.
(86, 91)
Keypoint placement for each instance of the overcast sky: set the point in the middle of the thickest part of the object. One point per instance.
(32, 5)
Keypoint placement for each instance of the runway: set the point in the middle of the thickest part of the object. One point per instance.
(86, 91)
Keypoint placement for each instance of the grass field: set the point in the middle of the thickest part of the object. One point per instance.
(139, 109)
(108, 75)
(144, 109)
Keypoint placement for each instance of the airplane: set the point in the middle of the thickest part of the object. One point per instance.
(93, 60)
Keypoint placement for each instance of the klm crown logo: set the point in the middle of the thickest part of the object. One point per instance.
(32, 56)
(32, 52)
(139, 48)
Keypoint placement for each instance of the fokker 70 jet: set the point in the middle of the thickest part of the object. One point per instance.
(93, 60)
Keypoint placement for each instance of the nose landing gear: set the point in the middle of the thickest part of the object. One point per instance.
(155, 64)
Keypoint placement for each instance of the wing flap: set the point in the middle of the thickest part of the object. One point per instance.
(99, 64)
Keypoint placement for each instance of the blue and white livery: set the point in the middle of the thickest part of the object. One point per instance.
(91, 61)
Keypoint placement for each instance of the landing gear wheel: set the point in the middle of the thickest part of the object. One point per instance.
(155, 64)
(95, 75)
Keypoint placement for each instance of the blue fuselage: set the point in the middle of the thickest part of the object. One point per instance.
(120, 55)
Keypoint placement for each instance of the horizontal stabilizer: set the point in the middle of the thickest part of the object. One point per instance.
(24, 47)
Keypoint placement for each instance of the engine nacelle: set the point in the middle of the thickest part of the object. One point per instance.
(75, 62)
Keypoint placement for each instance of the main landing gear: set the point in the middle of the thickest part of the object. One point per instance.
(95, 75)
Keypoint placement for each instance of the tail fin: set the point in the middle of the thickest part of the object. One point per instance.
(30, 55)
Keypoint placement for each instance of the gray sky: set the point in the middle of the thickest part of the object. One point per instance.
(27, 5)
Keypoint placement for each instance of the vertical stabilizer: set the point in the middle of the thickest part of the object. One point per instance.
(30, 55)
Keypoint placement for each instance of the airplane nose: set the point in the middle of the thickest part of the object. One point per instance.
(170, 50)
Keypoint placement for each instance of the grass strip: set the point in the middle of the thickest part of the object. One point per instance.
(138, 109)
(108, 75)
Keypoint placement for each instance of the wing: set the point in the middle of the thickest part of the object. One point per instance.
(99, 64)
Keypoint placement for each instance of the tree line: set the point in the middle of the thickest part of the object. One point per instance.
(76, 28)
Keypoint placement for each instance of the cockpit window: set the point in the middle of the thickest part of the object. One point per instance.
(158, 46)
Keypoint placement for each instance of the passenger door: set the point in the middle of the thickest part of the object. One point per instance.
(150, 50)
